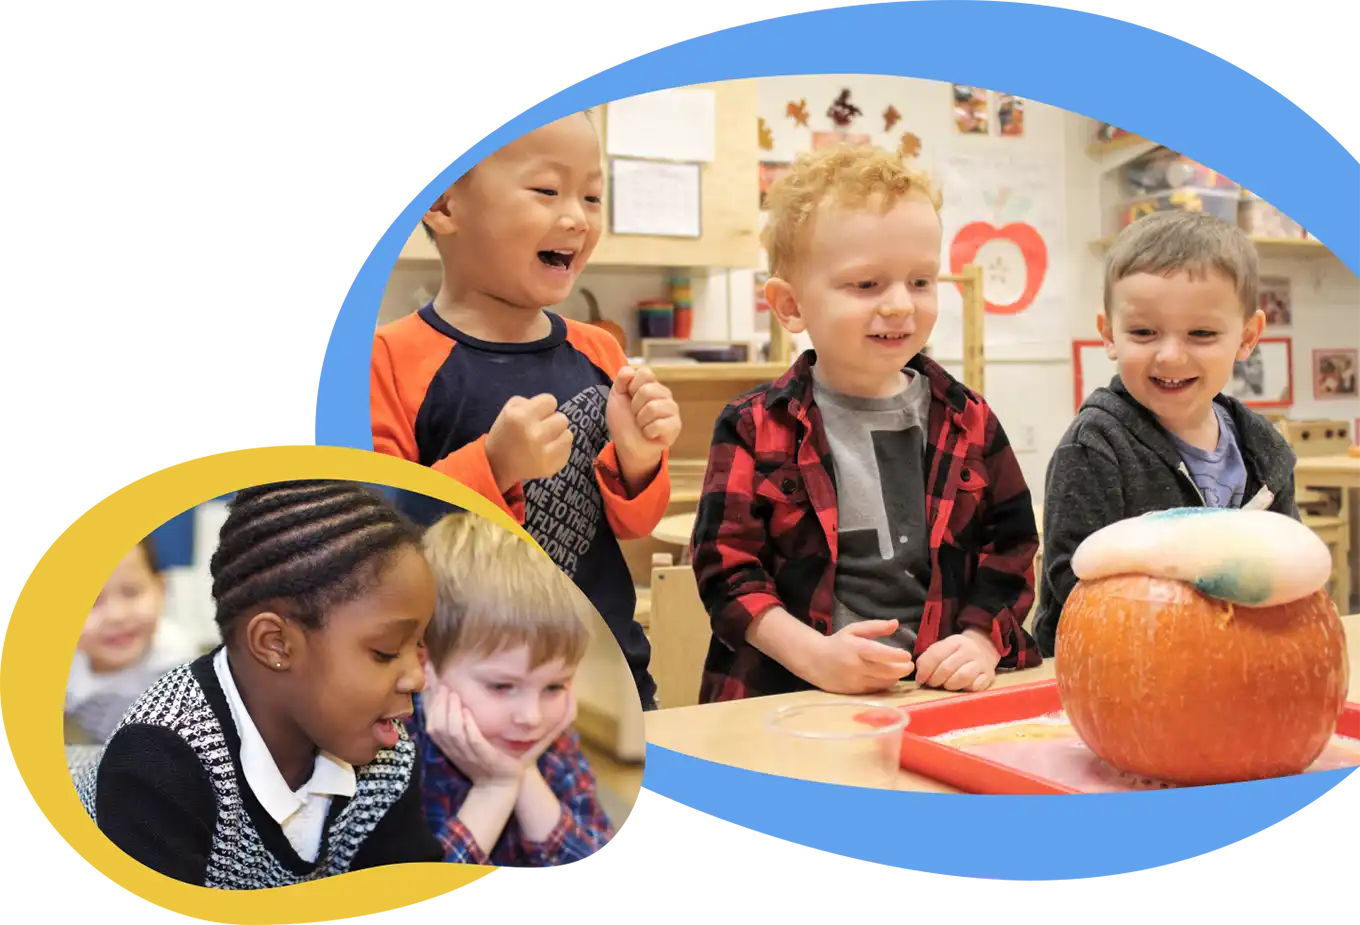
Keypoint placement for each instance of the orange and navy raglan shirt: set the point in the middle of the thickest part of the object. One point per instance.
(434, 393)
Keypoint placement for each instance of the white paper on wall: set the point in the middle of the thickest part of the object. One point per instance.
(676, 125)
(1004, 211)
(655, 198)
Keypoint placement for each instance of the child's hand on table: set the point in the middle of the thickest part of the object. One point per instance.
(853, 661)
(963, 662)
(451, 726)
(643, 420)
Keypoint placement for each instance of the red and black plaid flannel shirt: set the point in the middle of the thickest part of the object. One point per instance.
(765, 530)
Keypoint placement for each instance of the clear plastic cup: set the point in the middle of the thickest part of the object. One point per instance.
(852, 742)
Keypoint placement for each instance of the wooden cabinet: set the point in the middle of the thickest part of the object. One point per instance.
(731, 202)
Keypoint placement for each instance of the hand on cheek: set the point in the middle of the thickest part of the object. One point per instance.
(453, 729)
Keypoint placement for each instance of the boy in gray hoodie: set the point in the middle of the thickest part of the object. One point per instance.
(1180, 311)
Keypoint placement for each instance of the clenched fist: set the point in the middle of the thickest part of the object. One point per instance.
(530, 439)
(643, 420)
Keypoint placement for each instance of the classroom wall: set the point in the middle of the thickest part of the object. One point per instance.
(1031, 388)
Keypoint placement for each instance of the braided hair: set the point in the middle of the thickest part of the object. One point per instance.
(303, 548)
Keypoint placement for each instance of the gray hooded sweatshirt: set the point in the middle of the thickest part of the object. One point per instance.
(1116, 461)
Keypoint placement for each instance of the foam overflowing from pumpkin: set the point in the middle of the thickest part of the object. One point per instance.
(1247, 558)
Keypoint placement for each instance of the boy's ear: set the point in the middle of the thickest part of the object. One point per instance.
(1106, 333)
(440, 217)
(784, 303)
(1251, 334)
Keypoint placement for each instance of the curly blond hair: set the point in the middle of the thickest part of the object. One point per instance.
(846, 176)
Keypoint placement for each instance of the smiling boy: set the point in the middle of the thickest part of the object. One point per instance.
(504, 780)
(540, 414)
(1180, 311)
(863, 518)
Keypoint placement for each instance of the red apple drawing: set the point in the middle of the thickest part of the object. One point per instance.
(966, 244)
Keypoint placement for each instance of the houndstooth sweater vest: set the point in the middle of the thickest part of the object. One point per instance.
(239, 857)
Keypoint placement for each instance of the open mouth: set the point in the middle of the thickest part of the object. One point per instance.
(387, 730)
(1172, 385)
(557, 259)
(899, 338)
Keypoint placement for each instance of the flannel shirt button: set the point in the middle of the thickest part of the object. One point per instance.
(967, 475)
(788, 485)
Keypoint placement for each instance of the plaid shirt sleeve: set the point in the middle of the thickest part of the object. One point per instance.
(734, 584)
(1002, 590)
(583, 827)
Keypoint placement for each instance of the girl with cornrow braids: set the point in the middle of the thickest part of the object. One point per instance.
(280, 756)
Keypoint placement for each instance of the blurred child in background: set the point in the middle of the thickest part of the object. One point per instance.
(124, 647)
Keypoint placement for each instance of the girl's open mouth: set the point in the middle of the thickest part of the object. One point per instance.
(386, 732)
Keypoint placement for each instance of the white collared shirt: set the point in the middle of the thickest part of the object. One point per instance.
(300, 813)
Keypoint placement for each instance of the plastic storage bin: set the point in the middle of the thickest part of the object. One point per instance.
(1221, 203)
(1162, 171)
(1260, 219)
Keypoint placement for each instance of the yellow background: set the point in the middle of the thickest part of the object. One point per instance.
(187, 189)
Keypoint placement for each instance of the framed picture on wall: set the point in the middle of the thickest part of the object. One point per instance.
(1276, 302)
(1091, 369)
(1266, 378)
(1335, 372)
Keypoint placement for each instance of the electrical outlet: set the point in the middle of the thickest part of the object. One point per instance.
(1024, 439)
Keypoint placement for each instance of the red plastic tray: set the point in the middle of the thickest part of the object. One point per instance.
(975, 774)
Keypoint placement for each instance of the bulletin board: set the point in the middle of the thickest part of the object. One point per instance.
(1091, 369)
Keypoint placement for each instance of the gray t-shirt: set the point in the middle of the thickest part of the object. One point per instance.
(878, 451)
(1220, 475)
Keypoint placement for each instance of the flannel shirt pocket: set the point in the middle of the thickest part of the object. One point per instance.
(781, 496)
(969, 502)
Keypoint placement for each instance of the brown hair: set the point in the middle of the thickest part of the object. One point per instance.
(496, 592)
(844, 175)
(1196, 243)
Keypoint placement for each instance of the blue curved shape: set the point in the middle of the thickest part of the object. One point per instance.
(1063, 837)
(1061, 57)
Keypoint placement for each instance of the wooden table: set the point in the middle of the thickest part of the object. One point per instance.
(675, 529)
(734, 732)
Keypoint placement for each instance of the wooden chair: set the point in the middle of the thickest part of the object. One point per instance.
(679, 631)
(1325, 511)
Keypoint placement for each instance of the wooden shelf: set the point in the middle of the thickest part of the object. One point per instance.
(1265, 247)
(1115, 144)
(719, 372)
(1114, 154)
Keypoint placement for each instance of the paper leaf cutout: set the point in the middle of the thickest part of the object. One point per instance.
(842, 111)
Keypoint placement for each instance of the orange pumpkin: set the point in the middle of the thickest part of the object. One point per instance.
(1163, 682)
